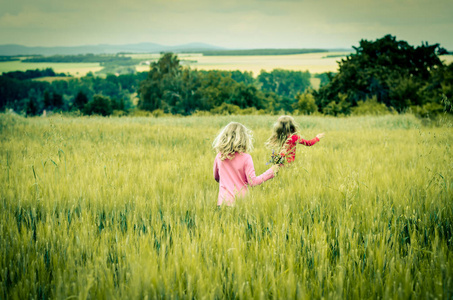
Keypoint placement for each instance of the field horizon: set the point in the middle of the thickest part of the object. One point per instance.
(315, 63)
(312, 62)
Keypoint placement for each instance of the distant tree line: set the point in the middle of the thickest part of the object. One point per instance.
(112, 64)
(87, 95)
(81, 58)
(382, 76)
(30, 74)
(261, 52)
(8, 58)
(177, 90)
(166, 88)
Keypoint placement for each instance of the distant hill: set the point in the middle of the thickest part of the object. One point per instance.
(13, 49)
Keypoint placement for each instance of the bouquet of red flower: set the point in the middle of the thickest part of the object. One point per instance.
(277, 159)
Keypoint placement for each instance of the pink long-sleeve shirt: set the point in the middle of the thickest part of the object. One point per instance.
(234, 175)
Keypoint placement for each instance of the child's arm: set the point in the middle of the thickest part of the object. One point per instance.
(216, 170)
(252, 179)
(320, 135)
(310, 142)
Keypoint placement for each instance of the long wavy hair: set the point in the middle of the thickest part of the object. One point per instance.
(282, 131)
(233, 138)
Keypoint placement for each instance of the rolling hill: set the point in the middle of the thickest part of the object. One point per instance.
(13, 49)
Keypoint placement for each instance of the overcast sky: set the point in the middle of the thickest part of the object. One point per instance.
(225, 23)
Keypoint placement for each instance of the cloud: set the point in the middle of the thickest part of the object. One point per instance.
(234, 23)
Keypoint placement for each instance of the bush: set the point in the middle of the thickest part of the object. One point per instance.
(139, 113)
(158, 113)
(306, 104)
(119, 113)
(338, 109)
(251, 111)
(427, 110)
(226, 109)
(201, 113)
(370, 107)
(100, 105)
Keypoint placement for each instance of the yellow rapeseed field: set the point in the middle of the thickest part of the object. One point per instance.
(117, 208)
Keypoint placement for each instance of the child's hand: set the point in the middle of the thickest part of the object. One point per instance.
(275, 168)
(320, 135)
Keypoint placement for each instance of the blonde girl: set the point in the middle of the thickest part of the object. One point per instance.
(233, 166)
(284, 138)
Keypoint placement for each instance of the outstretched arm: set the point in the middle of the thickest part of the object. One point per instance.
(252, 179)
(312, 141)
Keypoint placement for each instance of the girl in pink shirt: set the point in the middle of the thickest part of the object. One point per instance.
(285, 139)
(233, 166)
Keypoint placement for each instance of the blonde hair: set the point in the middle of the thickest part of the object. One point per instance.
(233, 138)
(283, 129)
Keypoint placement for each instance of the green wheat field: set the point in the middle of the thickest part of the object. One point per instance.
(119, 208)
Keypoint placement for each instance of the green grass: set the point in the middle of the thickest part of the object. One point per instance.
(126, 208)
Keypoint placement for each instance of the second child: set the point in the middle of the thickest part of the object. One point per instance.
(284, 138)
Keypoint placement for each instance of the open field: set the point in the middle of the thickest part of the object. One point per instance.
(126, 208)
(74, 69)
(312, 62)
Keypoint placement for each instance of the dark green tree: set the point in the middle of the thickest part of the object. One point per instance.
(57, 101)
(306, 103)
(118, 104)
(441, 85)
(216, 88)
(32, 104)
(324, 78)
(284, 83)
(245, 96)
(32, 107)
(52, 100)
(100, 105)
(189, 99)
(80, 101)
(47, 99)
(160, 89)
(244, 77)
(392, 71)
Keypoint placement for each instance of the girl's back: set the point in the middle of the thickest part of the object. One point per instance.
(235, 174)
(233, 166)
